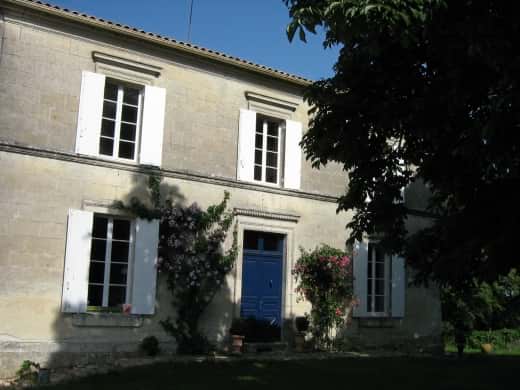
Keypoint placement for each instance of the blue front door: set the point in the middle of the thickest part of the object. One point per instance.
(262, 276)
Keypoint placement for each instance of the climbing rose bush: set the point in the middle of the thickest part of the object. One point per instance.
(324, 278)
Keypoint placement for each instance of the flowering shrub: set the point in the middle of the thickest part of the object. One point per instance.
(324, 278)
(191, 258)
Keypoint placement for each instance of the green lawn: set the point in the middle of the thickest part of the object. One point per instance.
(495, 372)
(513, 351)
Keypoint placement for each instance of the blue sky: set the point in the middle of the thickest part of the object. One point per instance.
(250, 29)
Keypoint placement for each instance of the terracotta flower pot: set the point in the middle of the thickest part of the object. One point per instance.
(237, 343)
(486, 348)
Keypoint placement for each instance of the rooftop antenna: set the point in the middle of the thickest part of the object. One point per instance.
(189, 21)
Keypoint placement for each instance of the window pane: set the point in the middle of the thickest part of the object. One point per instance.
(369, 286)
(99, 228)
(121, 229)
(126, 149)
(380, 270)
(251, 239)
(107, 127)
(131, 96)
(106, 146)
(118, 273)
(272, 144)
(120, 251)
(98, 249)
(258, 141)
(116, 296)
(259, 125)
(270, 175)
(96, 273)
(110, 91)
(369, 268)
(129, 114)
(369, 303)
(272, 128)
(95, 295)
(128, 131)
(272, 241)
(380, 255)
(258, 157)
(109, 109)
(379, 303)
(258, 172)
(380, 287)
(272, 159)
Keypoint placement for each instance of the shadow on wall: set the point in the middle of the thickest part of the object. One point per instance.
(102, 337)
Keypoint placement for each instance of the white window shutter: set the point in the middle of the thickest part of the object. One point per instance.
(152, 130)
(398, 286)
(77, 260)
(144, 270)
(360, 278)
(246, 145)
(89, 114)
(293, 155)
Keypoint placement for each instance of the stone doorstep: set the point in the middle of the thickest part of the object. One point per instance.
(272, 347)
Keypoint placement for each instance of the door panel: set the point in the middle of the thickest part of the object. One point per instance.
(262, 281)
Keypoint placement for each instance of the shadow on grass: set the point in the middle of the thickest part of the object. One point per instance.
(494, 372)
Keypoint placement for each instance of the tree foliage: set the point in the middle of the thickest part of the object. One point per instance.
(429, 90)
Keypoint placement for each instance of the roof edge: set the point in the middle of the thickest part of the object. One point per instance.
(159, 40)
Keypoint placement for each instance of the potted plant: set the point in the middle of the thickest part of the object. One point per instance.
(302, 326)
(237, 332)
(487, 347)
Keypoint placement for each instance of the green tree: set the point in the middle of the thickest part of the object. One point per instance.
(423, 90)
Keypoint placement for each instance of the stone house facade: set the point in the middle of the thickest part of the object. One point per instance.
(88, 109)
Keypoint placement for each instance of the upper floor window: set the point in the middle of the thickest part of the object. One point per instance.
(267, 150)
(120, 121)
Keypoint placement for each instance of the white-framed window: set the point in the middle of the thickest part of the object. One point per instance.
(269, 150)
(379, 281)
(119, 120)
(111, 256)
(268, 140)
(109, 261)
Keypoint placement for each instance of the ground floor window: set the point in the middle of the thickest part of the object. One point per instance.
(378, 279)
(110, 257)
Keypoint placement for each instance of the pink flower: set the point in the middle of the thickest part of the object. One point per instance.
(127, 308)
(345, 261)
(339, 313)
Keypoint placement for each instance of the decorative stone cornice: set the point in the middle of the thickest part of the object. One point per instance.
(270, 105)
(267, 214)
(125, 63)
(143, 169)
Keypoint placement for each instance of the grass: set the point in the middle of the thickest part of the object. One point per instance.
(513, 351)
(473, 372)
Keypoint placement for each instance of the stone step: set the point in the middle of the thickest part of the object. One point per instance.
(271, 347)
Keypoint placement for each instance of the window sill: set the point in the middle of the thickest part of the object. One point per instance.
(107, 320)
